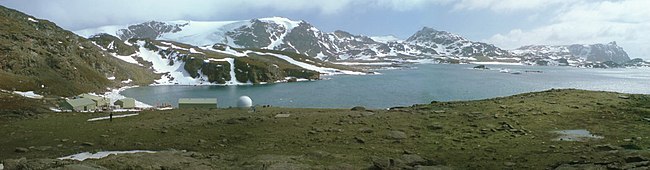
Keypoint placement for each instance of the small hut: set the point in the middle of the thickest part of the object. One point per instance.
(203, 103)
(80, 104)
(126, 103)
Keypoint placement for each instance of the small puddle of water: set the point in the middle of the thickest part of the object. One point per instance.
(575, 135)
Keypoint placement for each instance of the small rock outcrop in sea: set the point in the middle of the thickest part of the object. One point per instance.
(480, 67)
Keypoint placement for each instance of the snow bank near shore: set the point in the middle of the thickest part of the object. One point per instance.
(115, 95)
(497, 63)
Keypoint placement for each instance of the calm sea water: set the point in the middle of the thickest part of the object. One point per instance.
(423, 84)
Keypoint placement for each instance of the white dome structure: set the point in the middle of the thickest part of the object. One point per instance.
(244, 102)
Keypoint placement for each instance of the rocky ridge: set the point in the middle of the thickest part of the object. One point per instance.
(426, 45)
(301, 37)
(183, 64)
(572, 54)
(39, 56)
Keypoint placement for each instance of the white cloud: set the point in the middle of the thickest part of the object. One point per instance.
(401, 5)
(556, 21)
(76, 14)
(508, 5)
(625, 21)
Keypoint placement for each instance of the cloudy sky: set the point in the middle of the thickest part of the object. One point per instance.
(505, 23)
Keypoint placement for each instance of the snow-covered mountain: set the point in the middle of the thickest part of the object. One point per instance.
(183, 64)
(576, 53)
(203, 33)
(449, 44)
(426, 45)
(283, 34)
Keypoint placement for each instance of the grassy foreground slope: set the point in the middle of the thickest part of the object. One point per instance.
(37, 55)
(13, 106)
(502, 133)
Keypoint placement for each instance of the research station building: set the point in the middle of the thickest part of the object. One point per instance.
(99, 101)
(126, 103)
(199, 103)
(80, 104)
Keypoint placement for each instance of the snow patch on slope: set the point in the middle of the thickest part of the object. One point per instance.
(228, 51)
(322, 70)
(171, 45)
(87, 155)
(32, 20)
(286, 23)
(29, 94)
(386, 39)
(173, 74)
(201, 33)
(128, 59)
(321, 56)
(111, 30)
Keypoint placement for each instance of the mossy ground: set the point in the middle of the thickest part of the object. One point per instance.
(51, 61)
(13, 106)
(509, 132)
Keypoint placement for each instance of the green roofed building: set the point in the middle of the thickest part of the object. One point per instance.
(203, 103)
(100, 101)
(126, 103)
(80, 104)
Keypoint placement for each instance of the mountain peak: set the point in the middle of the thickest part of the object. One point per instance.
(428, 29)
(276, 18)
(341, 33)
(280, 20)
(427, 34)
(588, 52)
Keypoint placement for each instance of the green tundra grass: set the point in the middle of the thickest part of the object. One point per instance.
(514, 132)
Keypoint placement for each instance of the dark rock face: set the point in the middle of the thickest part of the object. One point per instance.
(600, 52)
(303, 40)
(112, 44)
(637, 62)
(216, 71)
(454, 44)
(255, 72)
(147, 30)
(247, 36)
